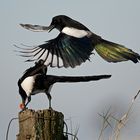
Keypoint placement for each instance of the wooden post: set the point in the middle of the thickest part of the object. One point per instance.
(41, 125)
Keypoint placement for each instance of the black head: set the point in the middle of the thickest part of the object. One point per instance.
(61, 21)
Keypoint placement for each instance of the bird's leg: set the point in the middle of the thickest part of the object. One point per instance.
(28, 100)
(49, 98)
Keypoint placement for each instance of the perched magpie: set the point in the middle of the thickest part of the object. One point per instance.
(29, 84)
(74, 45)
(35, 80)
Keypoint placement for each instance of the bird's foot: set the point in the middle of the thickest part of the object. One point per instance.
(23, 109)
(50, 108)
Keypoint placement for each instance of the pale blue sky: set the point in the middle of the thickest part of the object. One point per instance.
(117, 21)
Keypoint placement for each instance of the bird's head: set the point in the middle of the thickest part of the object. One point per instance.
(59, 22)
(21, 106)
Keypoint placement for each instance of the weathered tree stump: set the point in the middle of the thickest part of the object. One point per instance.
(41, 125)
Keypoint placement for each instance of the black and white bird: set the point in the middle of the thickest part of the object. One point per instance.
(31, 83)
(35, 80)
(74, 45)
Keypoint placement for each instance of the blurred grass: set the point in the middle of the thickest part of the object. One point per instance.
(116, 123)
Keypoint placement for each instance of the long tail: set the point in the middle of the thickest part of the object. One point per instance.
(78, 78)
(113, 52)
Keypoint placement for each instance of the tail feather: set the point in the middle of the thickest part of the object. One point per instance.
(113, 52)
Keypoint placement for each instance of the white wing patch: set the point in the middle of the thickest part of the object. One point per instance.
(54, 61)
(49, 59)
(27, 85)
(75, 32)
(43, 57)
(61, 64)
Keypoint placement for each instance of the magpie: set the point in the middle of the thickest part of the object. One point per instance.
(35, 80)
(29, 84)
(74, 45)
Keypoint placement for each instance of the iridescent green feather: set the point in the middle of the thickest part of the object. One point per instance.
(113, 52)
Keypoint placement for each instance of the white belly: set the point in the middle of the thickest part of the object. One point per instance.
(27, 85)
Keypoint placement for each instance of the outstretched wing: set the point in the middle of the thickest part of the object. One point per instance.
(63, 51)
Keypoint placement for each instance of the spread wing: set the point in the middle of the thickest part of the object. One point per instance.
(63, 51)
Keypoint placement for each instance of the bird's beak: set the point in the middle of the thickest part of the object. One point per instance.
(37, 28)
(22, 106)
(51, 27)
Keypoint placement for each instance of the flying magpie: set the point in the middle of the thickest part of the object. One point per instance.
(74, 45)
(35, 80)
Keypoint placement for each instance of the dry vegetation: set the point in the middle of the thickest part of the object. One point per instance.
(116, 124)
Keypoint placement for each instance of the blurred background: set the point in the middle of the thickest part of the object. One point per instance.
(81, 103)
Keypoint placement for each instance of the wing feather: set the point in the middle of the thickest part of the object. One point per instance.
(63, 51)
